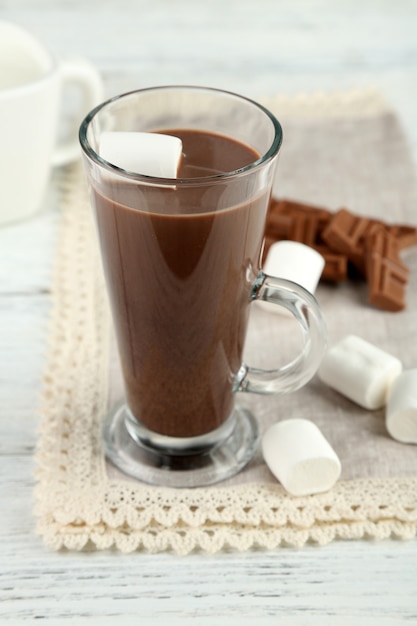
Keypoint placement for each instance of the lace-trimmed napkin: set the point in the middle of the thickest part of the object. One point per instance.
(342, 150)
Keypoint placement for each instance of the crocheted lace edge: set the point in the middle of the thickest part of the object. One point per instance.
(78, 507)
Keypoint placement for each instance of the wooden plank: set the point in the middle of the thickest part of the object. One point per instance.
(258, 49)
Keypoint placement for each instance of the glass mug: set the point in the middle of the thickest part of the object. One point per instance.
(181, 259)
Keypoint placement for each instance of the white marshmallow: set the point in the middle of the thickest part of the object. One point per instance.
(300, 457)
(150, 154)
(360, 371)
(296, 262)
(293, 261)
(401, 412)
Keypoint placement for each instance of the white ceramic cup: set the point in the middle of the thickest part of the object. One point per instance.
(33, 88)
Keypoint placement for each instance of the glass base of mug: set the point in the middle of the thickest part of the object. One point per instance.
(180, 462)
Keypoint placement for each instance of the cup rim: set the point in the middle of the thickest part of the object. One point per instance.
(198, 180)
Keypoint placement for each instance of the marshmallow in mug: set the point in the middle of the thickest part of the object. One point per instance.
(360, 371)
(401, 410)
(149, 154)
(300, 457)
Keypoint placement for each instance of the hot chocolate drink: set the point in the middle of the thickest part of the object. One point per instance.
(179, 262)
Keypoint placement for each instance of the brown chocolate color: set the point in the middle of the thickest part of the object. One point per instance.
(179, 272)
(351, 245)
(387, 275)
(345, 234)
(336, 265)
(405, 235)
(297, 221)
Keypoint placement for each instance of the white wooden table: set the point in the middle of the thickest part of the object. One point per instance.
(256, 48)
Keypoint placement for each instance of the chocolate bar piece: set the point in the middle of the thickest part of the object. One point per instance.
(406, 236)
(348, 242)
(307, 221)
(301, 222)
(387, 275)
(336, 265)
(345, 234)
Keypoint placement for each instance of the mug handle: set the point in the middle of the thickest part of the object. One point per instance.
(304, 307)
(82, 74)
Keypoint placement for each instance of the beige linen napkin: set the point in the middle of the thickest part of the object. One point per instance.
(339, 150)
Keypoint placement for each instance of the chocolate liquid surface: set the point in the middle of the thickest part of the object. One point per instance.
(179, 264)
